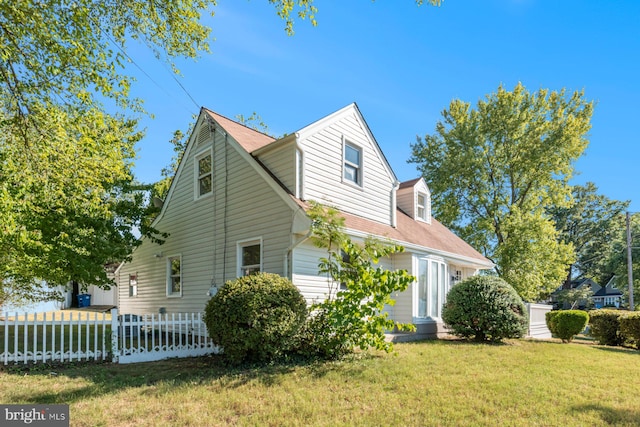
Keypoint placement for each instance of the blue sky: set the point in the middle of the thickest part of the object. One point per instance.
(402, 65)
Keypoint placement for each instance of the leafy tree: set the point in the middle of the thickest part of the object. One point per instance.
(66, 209)
(494, 169)
(353, 314)
(570, 298)
(616, 265)
(592, 224)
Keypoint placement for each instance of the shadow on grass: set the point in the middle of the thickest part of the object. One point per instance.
(107, 378)
(612, 416)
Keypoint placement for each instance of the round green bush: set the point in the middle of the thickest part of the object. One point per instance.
(566, 324)
(485, 308)
(605, 326)
(256, 318)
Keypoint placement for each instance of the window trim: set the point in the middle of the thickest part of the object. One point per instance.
(169, 283)
(197, 176)
(442, 289)
(359, 183)
(426, 207)
(133, 285)
(240, 245)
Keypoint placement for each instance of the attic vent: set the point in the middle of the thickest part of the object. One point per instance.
(204, 134)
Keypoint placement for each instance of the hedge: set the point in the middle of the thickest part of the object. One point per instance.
(630, 326)
(566, 324)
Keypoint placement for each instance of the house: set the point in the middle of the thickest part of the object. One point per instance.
(237, 205)
(602, 296)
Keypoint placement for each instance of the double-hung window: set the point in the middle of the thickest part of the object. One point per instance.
(204, 174)
(249, 257)
(352, 169)
(174, 276)
(421, 206)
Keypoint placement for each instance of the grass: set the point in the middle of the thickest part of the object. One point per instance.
(428, 383)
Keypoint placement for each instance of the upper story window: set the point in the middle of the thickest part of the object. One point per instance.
(174, 276)
(352, 163)
(421, 207)
(204, 174)
(249, 257)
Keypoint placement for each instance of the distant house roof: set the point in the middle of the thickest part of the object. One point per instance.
(607, 292)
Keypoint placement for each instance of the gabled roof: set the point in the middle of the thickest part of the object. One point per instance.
(416, 235)
(410, 183)
(249, 139)
(434, 237)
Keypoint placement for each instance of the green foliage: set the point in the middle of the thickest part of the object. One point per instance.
(566, 324)
(485, 308)
(256, 317)
(605, 326)
(630, 326)
(494, 169)
(572, 297)
(69, 205)
(592, 224)
(550, 318)
(353, 316)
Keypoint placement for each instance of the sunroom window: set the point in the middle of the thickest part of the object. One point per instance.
(433, 285)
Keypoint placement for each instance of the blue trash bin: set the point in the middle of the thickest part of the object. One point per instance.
(84, 300)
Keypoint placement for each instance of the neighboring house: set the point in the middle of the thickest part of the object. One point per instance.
(603, 296)
(607, 296)
(237, 205)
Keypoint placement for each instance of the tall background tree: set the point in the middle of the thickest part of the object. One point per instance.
(496, 168)
(592, 223)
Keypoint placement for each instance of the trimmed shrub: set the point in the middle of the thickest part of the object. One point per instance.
(630, 326)
(566, 324)
(605, 326)
(550, 318)
(256, 318)
(485, 308)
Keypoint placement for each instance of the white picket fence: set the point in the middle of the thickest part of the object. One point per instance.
(67, 337)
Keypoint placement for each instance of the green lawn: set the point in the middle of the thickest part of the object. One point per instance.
(424, 384)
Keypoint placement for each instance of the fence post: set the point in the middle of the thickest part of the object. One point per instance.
(115, 352)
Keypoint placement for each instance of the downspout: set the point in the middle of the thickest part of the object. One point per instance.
(394, 203)
(299, 169)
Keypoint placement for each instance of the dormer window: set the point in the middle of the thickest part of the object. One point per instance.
(352, 164)
(422, 207)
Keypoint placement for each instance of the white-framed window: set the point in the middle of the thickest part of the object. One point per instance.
(203, 173)
(133, 285)
(249, 257)
(352, 165)
(174, 276)
(421, 206)
(433, 285)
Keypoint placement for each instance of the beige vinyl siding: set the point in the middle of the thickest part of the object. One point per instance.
(305, 274)
(323, 168)
(200, 233)
(281, 162)
(405, 200)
